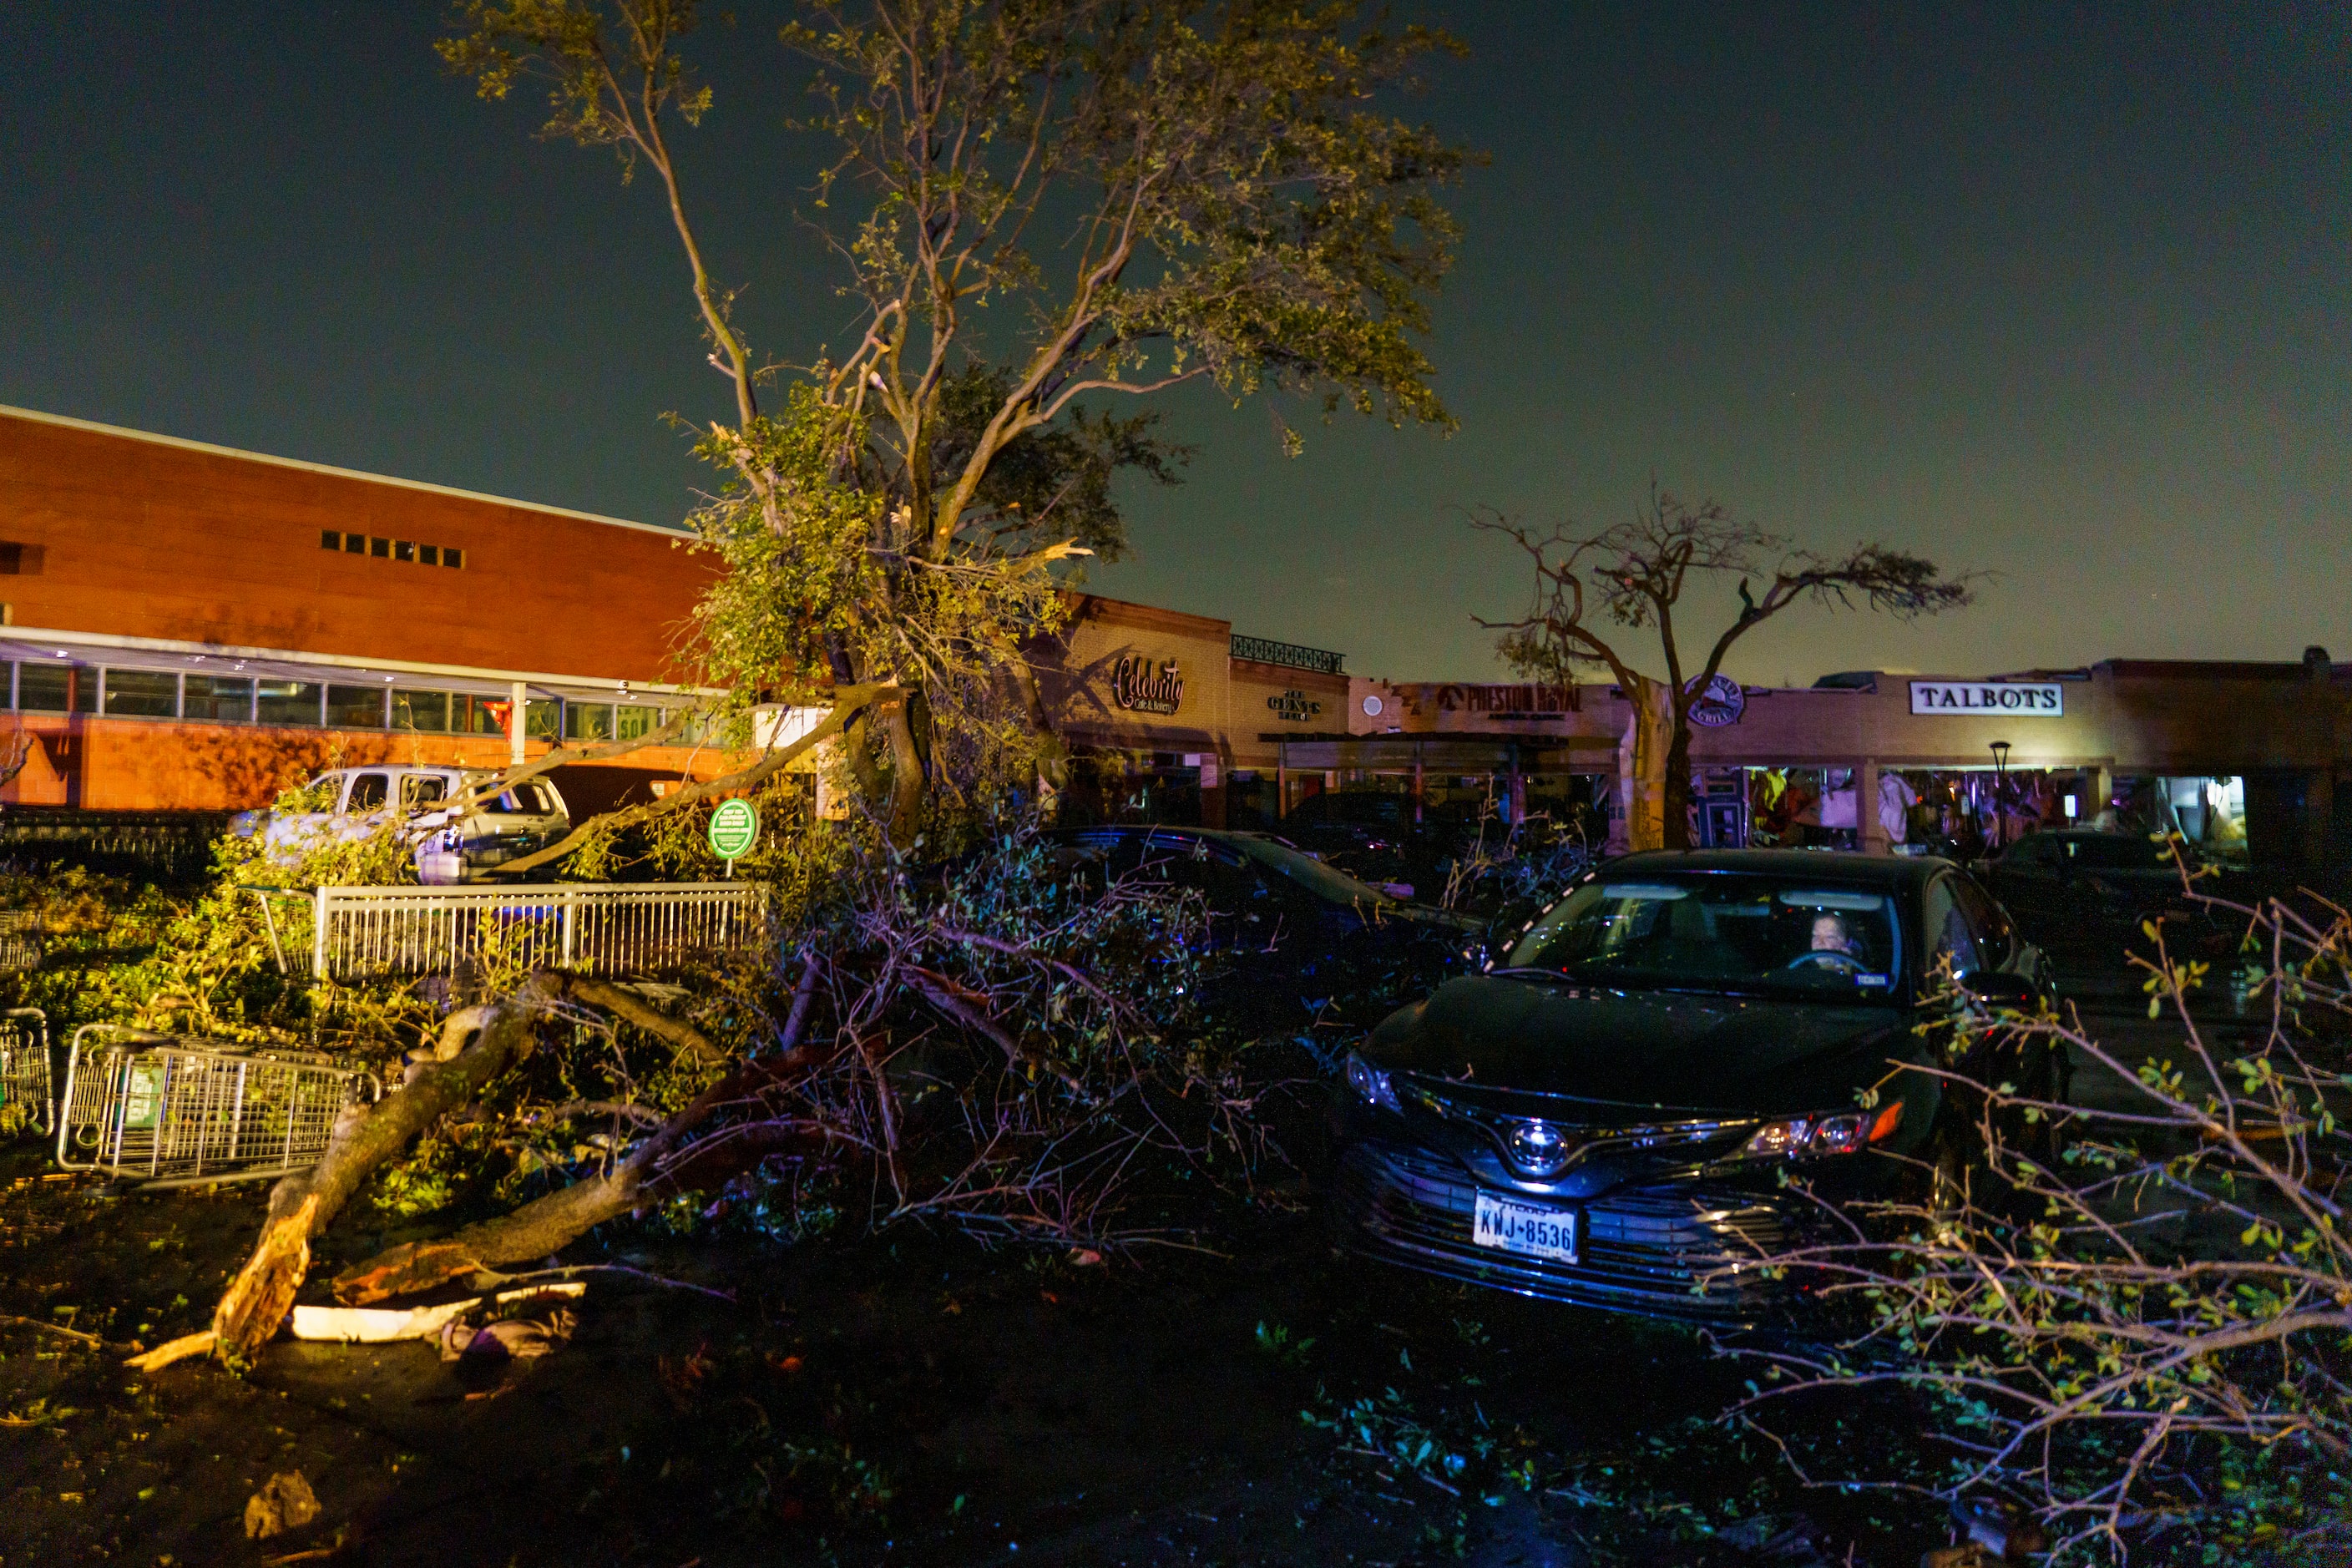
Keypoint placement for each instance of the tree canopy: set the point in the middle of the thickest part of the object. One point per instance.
(1035, 203)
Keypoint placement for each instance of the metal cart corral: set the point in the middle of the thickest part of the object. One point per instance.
(168, 1110)
(28, 1093)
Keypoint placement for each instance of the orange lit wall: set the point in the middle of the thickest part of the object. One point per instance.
(139, 537)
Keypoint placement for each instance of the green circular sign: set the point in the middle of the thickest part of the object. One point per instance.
(734, 829)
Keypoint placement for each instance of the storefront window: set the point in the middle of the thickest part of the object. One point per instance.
(142, 694)
(221, 698)
(291, 702)
(541, 717)
(424, 713)
(477, 715)
(45, 688)
(636, 723)
(587, 722)
(355, 707)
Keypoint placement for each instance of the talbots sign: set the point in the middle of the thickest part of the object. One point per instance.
(1139, 687)
(2006, 698)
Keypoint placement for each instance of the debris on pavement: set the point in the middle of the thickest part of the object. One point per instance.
(515, 1339)
(382, 1325)
(284, 1502)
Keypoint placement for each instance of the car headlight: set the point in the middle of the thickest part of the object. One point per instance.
(1827, 1133)
(1370, 1084)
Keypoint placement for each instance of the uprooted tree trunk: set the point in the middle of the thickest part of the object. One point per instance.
(477, 1044)
(664, 1164)
(550, 1223)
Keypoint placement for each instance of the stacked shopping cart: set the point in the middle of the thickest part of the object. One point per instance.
(20, 940)
(169, 1110)
(27, 1098)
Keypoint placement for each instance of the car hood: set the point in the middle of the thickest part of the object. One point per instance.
(1644, 1049)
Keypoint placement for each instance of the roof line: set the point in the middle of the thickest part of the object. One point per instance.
(210, 449)
(102, 640)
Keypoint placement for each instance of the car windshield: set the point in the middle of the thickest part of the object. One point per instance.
(1721, 932)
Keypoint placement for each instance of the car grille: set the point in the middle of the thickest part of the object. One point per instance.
(1644, 1249)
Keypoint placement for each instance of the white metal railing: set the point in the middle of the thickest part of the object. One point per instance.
(168, 1110)
(26, 1096)
(608, 928)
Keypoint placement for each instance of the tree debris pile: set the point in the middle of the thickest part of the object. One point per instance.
(989, 1043)
(2132, 1314)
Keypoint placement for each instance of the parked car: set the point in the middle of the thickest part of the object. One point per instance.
(1295, 931)
(2081, 894)
(1608, 1113)
(1370, 836)
(2071, 872)
(449, 847)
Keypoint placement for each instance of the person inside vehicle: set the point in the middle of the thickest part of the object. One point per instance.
(1830, 935)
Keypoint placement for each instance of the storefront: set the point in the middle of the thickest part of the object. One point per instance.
(2242, 758)
(187, 627)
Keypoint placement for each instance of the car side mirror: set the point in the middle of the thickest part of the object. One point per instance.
(2000, 988)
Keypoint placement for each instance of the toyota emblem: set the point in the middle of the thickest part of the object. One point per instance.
(1538, 1148)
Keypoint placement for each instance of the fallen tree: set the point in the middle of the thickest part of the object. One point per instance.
(990, 1045)
(477, 1044)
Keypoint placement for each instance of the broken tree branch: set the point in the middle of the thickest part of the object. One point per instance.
(301, 1205)
(547, 1225)
(848, 702)
(636, 1010)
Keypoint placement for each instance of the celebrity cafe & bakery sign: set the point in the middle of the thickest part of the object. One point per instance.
(2005, 699)
(1139, 687)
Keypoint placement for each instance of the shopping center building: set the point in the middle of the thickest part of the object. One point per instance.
(187, 627)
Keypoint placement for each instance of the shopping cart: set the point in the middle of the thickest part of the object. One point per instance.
(169, 1110)
(20, 940)
(26, 1096)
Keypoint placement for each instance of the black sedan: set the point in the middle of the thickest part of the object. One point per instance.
(1610, 1112)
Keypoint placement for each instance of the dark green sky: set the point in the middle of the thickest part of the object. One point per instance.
(2060, 295)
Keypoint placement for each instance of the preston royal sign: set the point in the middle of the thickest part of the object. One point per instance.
(2006, 698)
(1139, 688)
(1529, 699)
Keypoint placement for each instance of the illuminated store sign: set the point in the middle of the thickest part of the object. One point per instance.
(1139, 688)
(1722, 703)
(1295, 707)
(2020, 699)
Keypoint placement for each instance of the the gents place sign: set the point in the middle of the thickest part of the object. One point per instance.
(2021, 699)
(1295, 707)
(1139, 688)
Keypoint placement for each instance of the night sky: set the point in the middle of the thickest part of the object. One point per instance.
(2063, 296)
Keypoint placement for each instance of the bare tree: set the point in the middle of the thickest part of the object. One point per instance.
(1633, 576)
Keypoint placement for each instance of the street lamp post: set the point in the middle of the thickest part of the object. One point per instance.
(1999, 790)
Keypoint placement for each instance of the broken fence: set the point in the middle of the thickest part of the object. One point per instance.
(590, 927)
(173, 1109)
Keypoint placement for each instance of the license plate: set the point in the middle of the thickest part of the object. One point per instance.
(1524, 1228)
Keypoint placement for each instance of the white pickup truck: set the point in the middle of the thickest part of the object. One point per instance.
(450, 848)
